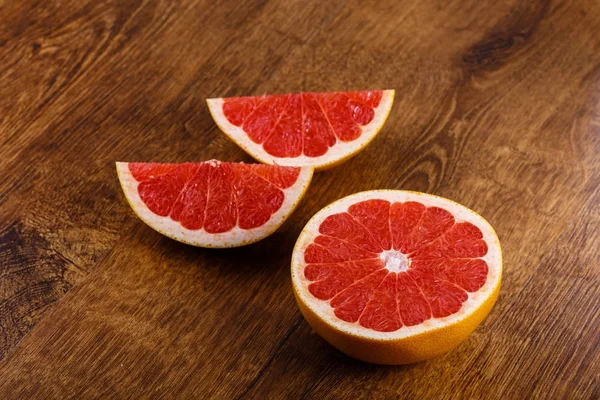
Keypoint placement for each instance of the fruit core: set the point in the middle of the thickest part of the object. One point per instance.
(395, 261)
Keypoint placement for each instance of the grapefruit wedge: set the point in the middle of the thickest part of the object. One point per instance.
(396, 277)
(213, 203)
(303, 129)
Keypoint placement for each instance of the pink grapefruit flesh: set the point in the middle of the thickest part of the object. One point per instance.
(391, 265)
(213, 203)
(316, 129)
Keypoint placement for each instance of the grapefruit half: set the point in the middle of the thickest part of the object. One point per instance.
(303, 129)
(213, 203)
(396, 277)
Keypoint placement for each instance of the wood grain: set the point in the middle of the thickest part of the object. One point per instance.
(81, 144)
(498, 107)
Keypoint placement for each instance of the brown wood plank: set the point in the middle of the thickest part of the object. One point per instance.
(528, 152)
(137, 97)
(497, 107)
(544, 344)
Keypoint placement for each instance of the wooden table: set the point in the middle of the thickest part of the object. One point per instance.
(497, 107)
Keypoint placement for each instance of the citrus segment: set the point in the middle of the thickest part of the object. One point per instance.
(316, 129)
(385, 269)
(213, 203)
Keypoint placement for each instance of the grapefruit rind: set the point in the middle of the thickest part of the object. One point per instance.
(338, 153)
(408, 344)
(233, 238)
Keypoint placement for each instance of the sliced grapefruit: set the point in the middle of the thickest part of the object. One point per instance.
(213, 203)
(303, 129)
(395, 277)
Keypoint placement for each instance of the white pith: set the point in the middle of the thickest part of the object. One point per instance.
(338, 151)
(493, 258)
(233, 238)
(395, 261)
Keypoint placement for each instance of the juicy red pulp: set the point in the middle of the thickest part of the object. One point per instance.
(214, 196)
(345, 265)
(304, 123)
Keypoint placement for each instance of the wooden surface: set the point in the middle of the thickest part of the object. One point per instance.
(497, 107)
